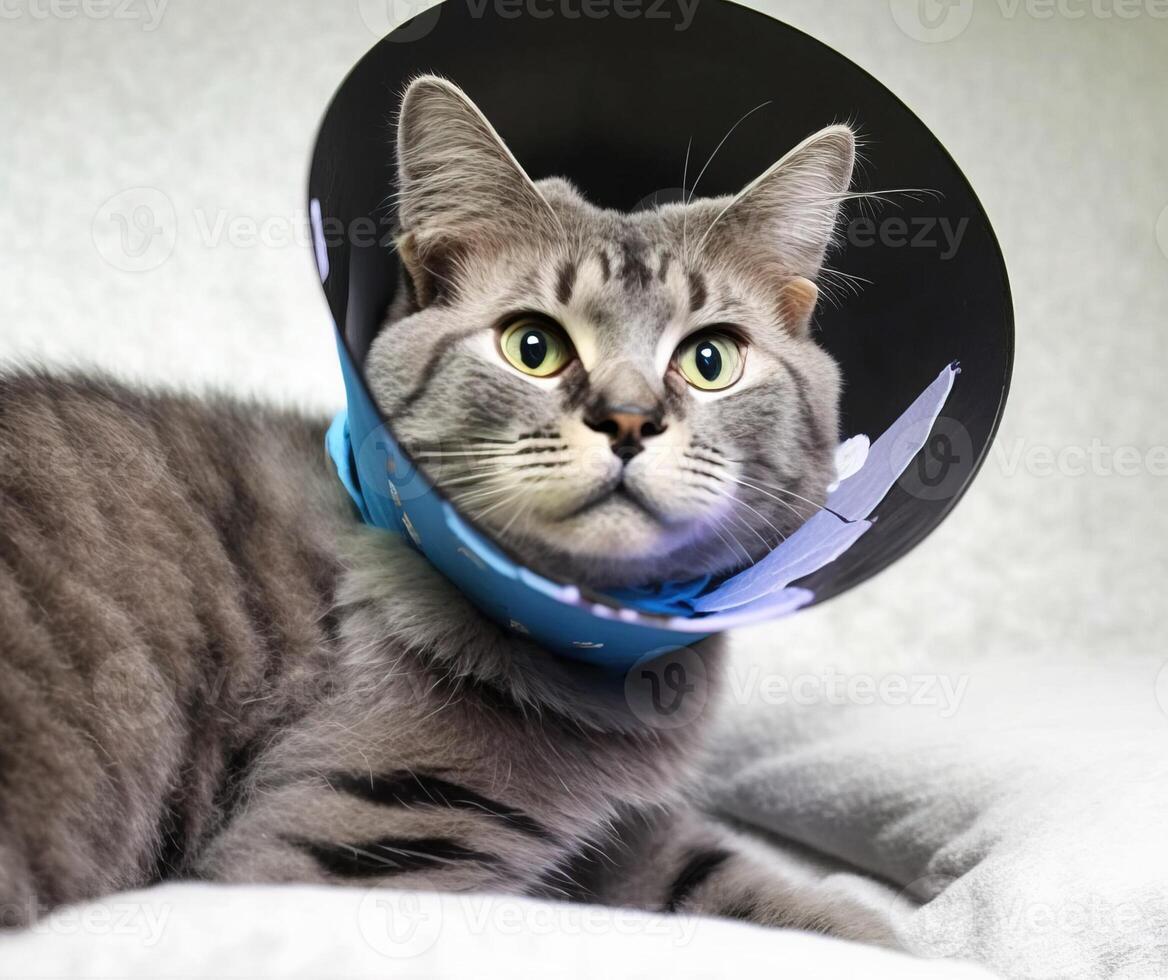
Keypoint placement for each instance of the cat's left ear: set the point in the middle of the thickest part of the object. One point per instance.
(459, 187)
(782, 223)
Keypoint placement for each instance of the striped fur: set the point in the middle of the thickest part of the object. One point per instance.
(177, 716)
(213, 670)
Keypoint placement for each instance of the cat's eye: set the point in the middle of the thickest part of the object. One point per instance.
(536, 346)
(710, 360)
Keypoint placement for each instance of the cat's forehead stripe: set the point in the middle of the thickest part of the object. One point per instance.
(644, 292)
(566, 282)
(634, 271)
(605, 265)
(698, 294)
(598, 314)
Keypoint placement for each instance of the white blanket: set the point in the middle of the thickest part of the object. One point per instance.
(218, 931)
(1017, 808)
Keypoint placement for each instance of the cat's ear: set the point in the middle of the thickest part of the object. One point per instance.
(783, 222)
(459, 187)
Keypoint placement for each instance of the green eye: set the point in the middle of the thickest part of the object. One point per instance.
(536, 346)
(710, 360)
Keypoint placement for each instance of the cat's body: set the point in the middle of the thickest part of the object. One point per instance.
(166, 597)
(213, 670)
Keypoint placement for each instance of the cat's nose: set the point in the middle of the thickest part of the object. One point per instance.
(627, 427)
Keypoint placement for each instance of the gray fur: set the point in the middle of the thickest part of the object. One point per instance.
(213, 670)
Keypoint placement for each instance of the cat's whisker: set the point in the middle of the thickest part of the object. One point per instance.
(914, 194)
(836, 284)
(741, 547)
(793, 494)
(714, 527)
(472, 478)
(845, 276)
(479, 484)
(778, 489)
(497, 448)
(480, 514)
(474, 496)
(718, 494)
(525, 507)
(468, 505)
(766, 493)
(489, 465)
(723, 477)
(464, 453)
(746, 524)
(685, 213)
(483, 439)
(729, 133)
(763, 518)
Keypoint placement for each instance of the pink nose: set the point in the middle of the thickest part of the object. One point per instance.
(627, 429)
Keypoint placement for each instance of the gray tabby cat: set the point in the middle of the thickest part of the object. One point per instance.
(211, 669)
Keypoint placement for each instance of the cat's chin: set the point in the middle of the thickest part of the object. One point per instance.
(616, 542)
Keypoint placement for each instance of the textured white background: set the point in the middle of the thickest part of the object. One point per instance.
(1059, 123)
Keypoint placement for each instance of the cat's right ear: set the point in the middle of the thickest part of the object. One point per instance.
(459, 188)
(781, 224)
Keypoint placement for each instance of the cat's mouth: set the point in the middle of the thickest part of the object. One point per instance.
(617, 493)
(614, 536)
(630, 524)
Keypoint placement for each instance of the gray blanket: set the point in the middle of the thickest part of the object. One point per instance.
(1014, 811)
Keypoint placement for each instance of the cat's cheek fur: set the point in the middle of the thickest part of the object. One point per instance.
(672, 483)
(585, 468)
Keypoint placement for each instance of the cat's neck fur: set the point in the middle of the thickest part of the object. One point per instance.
(396, 605)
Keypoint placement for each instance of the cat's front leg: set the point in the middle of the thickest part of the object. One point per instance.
(685, 862)
(445, 754)
(448, 792)
(408, 828)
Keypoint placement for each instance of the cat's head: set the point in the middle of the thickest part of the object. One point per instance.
(620, 399)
